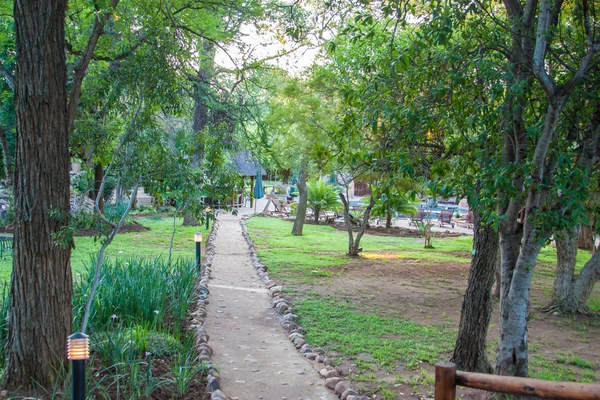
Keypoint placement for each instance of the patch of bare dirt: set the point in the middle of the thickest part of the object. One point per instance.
(432, 294)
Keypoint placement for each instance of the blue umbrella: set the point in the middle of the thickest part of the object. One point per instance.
(258, 188)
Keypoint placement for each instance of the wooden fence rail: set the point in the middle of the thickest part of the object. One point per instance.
(447, 378)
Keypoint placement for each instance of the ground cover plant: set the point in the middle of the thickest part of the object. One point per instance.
(141, 347)
(390, 314)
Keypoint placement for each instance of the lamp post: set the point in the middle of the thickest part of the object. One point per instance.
(198, 240)
(78, 350)
(207, 216)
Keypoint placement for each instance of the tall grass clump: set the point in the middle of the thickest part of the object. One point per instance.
(137, 292)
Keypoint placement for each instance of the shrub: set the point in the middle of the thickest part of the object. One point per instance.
(322, 197)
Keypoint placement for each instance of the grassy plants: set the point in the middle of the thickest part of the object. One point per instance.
(138, 291)
(140, 347)
(390, 341)
(137, 318)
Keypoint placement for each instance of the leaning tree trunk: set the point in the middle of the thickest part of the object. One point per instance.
(6, 157)
(41, 283)
(302, 203)
(470, 349)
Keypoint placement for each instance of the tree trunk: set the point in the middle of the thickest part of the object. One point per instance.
(41, 283)
(571, 293)
(302, 203)
(587, 238)
(566, 260)
(98, 177)
(470, 349)
(201, 110)
(316, 213)
(6, 157)
(353, 249)
(583, 286)
(388, 221)
(201, 96)
(498, 274)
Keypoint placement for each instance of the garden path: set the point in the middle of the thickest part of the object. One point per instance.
(251, 349)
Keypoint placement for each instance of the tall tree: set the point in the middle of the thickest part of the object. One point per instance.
(41, 287)
(41, 283)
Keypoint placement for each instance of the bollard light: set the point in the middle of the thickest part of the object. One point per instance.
(78, 347)
(198, 240)
(78, 350)
(207, 216)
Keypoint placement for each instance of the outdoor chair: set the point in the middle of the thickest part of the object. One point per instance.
(446, 218)
(418, 217)
(468, 221)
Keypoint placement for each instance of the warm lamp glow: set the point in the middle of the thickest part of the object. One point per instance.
(78, 346)
(198, 237)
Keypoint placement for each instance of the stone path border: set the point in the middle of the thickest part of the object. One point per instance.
(199, 317)
(334, 378)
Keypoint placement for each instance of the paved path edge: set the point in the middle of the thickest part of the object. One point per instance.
(289, 321)
(199, 315)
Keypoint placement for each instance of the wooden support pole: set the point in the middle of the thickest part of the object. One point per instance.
(445, 381)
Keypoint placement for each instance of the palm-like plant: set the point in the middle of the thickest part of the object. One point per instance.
(389, 204)
(322, 197)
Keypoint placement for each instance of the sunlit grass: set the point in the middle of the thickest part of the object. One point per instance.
(152, 243)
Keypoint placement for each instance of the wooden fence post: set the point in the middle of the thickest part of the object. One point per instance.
(445, 381)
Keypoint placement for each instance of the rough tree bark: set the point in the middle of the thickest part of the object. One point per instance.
(6, 157)
(470, 349)
(41, 284)
(302, 203)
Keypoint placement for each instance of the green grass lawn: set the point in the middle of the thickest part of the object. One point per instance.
(322, 247)
(152, 243)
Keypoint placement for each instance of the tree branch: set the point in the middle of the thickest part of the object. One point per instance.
(541, 46)
(84, 62)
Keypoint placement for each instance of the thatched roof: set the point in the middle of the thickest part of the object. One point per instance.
(246, 165)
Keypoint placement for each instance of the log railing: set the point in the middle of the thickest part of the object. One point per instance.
(447, 378)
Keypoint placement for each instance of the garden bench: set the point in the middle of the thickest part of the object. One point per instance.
(6, 245)
(446, 218)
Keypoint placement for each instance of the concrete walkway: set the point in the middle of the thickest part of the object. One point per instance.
(255, 357)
